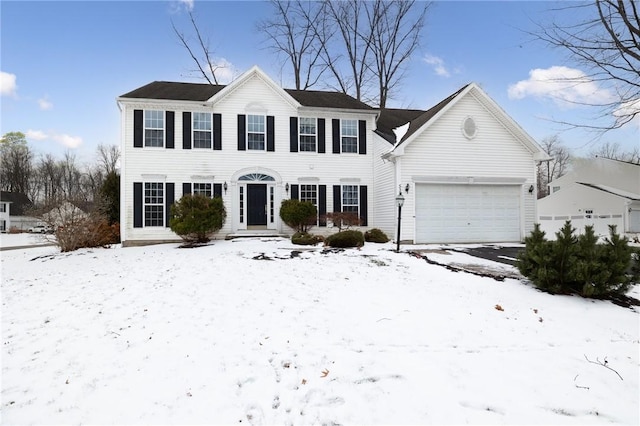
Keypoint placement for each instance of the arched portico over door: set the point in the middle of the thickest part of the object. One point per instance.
(257, 199)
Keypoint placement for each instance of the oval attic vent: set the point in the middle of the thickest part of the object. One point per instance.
(469, 127)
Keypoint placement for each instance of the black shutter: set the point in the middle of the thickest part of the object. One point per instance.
(295, 194)
(322, 204)
(186, 188)
(137, 204)
(335, 129)
(293, 134)
(138, 129)
(169, 190)
(362, 135)
(363, 205)
(321, 136)
(217, 132)
(242, 144)
(186, 130)
(217, 190)
(169, 117)
(337, 199)
(271, 145)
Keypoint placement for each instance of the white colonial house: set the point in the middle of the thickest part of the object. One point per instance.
(465, 169)
(597, 192)
(5, 215)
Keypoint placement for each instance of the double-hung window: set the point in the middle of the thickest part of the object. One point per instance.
(202, 189)
(154, 128)
(154, 204)
(307, 130)
(309, 193)
(3, 207)
(350, 198)
(256, 132)
(202, 130)
(349, 135)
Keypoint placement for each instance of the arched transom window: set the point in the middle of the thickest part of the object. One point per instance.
(260, 177)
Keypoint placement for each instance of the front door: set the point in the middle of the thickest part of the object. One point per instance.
(256, 204)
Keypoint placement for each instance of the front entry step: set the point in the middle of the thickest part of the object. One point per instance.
(252, 233)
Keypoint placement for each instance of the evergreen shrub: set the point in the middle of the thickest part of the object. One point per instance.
(577, 264)
(375, 235)
(195, 218)
(344, 239)
(299, 215)
(306, 239)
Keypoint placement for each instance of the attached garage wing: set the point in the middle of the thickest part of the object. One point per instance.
(454, 213)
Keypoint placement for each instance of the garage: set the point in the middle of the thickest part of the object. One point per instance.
(454, 213)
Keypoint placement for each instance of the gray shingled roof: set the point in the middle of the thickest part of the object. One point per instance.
(201, 92)
(393, 118)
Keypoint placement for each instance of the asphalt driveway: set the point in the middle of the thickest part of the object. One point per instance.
(495, 253)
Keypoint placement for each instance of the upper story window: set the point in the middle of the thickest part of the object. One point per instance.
(154, 128)
(349, 135)
(307, 130)
(3, 207)
(256, 132)
(202, 130)
(350, 198)
(153, 204)
(202, 189)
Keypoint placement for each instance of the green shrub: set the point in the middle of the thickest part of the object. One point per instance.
(580, 265)
(196, 217)
(349, 238)
(306, 239)
(299, 215)
(375, 235)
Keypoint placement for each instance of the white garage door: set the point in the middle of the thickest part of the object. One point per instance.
(467, 213)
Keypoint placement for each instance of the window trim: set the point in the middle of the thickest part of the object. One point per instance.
(263, 133)
(301, 134)
(355, 137)
(316, 196)
(194, 130)
(145, 204)
(342, 198)
(208, 192)
(145, 128)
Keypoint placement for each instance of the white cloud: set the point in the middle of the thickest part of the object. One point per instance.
(567, 87)
(37, 135)
(225, 71)
(65, 140)
(188, 4)
(68, 140)
(45, 104)
(628, 109)
(178, 6)
(437, 64)
(8, 84)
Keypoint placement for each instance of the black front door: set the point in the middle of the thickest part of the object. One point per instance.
(256, 204)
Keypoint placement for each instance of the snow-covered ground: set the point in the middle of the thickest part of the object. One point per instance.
(260, 331)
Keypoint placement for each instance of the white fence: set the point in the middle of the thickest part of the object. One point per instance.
(600, 222)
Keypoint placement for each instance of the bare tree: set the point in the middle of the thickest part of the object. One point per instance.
(396, 30)
(614, 152)
(296, 32)
(108, 158)
(15, 163)
(607, 43)
(208, 67)
(554, 168)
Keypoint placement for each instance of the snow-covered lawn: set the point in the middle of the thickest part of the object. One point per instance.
(259, 331)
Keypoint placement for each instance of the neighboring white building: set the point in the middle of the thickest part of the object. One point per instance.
(14, 208)
(599, 192)
(5, 217)
(465, 168)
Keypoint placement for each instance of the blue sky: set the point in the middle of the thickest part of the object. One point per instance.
(63, 64)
